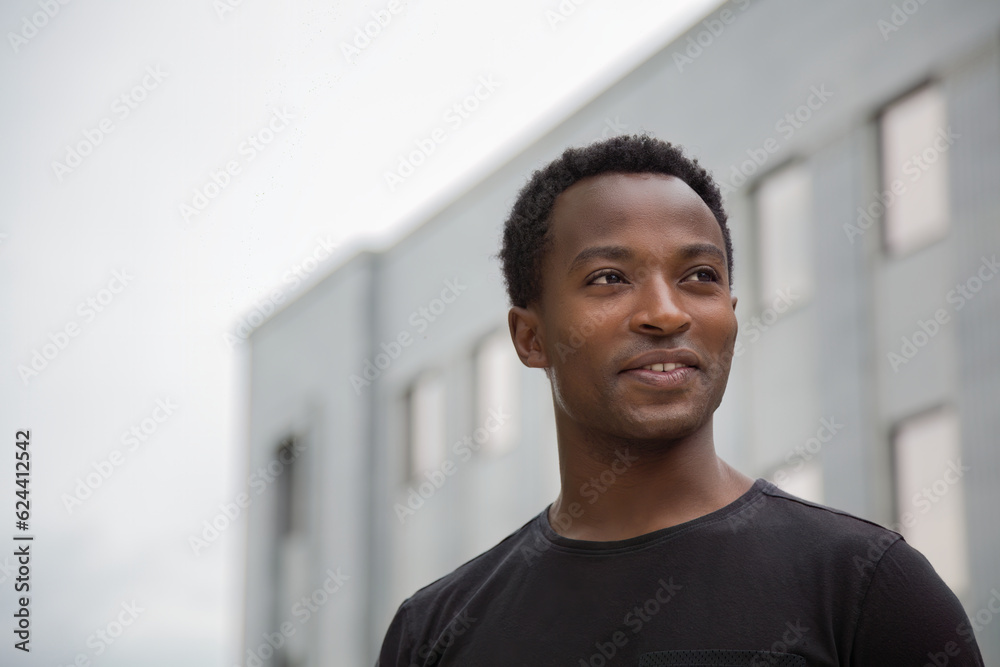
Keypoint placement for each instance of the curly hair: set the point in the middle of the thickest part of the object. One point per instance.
(525, 234)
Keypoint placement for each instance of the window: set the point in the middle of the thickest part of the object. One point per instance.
(929, 492)
(426, 424)
(497, 392)
(291, 556)
(289, 512)
(913, 197)
(784, 219)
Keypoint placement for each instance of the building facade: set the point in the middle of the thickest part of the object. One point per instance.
(858, 147)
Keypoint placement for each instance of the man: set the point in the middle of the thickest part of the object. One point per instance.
(618, 263)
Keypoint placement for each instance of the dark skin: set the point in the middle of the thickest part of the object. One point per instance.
(647, 281)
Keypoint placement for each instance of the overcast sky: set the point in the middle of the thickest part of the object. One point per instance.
(165, 165)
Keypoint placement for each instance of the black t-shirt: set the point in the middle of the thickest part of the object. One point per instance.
(770, 579)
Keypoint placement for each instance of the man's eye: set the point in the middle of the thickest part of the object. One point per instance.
(609, 278)
(712, 275)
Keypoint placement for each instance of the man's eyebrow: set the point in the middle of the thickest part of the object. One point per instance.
(615, 252)
(698, 249)
(622, 253)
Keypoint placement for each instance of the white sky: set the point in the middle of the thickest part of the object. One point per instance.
(63, 237)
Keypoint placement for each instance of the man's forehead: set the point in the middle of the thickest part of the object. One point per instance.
(623, 183)
(602, 206)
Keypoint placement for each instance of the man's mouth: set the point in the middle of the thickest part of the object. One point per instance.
(663, 360)
(663, 368)
(663, 376)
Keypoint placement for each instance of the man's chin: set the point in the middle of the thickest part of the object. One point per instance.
(655, 427)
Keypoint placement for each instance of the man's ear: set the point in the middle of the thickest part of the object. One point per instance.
(525, 332)
(734, 303)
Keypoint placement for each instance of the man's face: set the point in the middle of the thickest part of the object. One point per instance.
(636, 267)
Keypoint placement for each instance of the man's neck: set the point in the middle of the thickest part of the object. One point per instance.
(614, 491)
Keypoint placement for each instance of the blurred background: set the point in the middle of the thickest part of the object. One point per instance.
(256, 328)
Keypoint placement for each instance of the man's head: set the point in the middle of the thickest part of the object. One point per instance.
(617, 256)
(525, 236)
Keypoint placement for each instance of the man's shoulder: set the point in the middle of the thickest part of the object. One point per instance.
(456, 586)
(806, 522)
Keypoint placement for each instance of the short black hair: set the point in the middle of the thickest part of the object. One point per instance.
(525, 234)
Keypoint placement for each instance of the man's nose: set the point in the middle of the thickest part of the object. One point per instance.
(659, 309)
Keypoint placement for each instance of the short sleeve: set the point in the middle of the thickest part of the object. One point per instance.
(396, 646)
(909, 616)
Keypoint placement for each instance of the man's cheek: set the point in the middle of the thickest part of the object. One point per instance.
(722, 351)
(733, 328)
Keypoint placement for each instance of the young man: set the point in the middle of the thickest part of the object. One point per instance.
(618, 263)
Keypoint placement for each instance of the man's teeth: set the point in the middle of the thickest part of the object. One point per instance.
(662, 367)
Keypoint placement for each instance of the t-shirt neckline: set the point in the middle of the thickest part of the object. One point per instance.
(541, 524)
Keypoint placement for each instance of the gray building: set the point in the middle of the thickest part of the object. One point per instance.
(858, 145)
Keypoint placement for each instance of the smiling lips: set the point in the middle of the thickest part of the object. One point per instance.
(663, 369)
(663, 360)
(662, 376)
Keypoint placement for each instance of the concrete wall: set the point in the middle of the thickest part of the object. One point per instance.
(300, 364)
